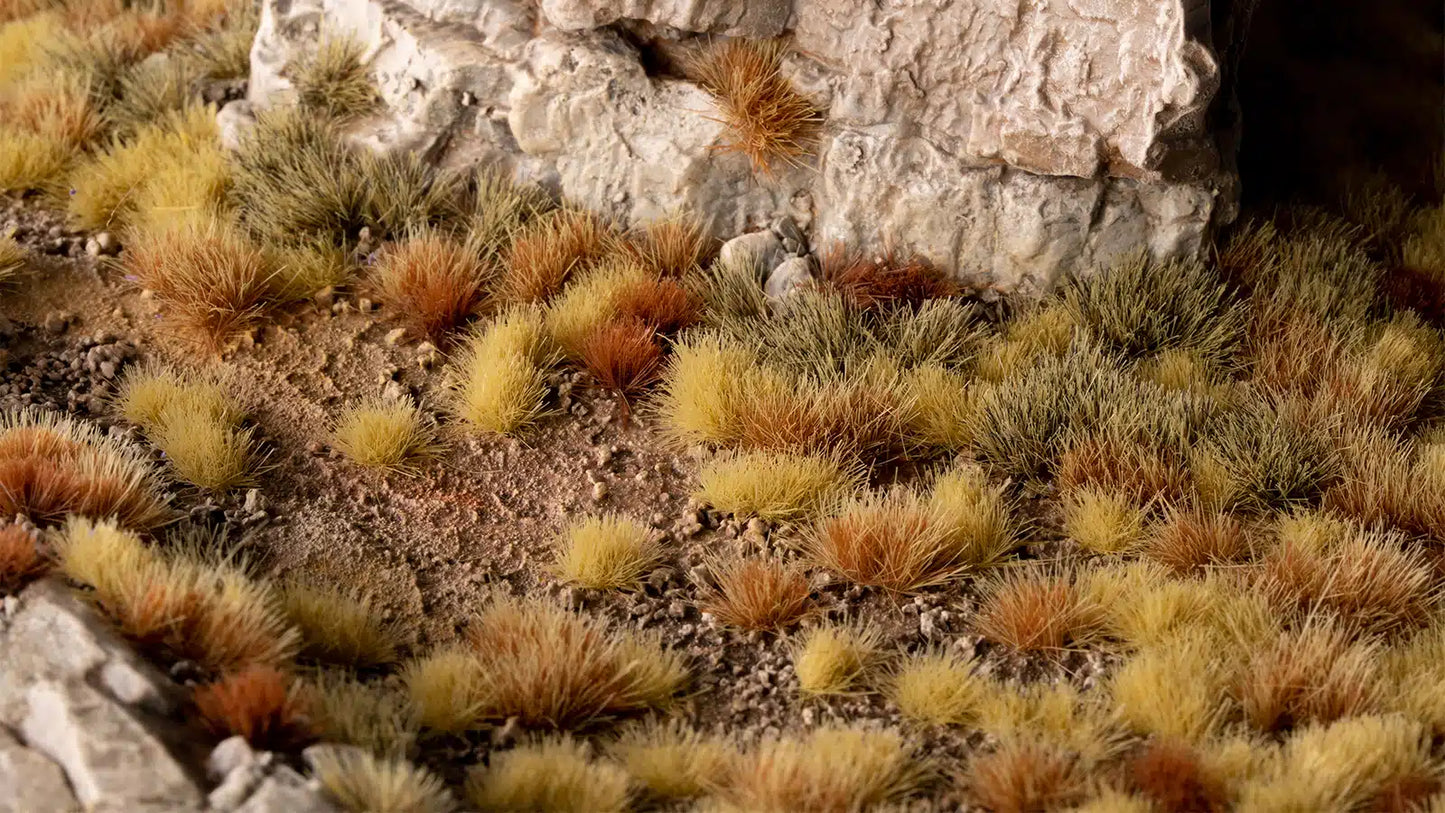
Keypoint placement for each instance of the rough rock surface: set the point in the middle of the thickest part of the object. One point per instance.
(1009, 142)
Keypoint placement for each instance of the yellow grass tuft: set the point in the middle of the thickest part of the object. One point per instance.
(194, 421)
(589, 301)
(936, 687)
(1345, 766)
(106, 187)
(1102, 521)
(1054, 713)
(942, 402)
(30, 161)
(670, 761)
(704, 389)
(832, 769)
(1153, 699)
(341, 626)
(607, 553)
(384, 434)
(446, 690)
(833, 659)
(554, 774)
(496, 379)
(302, 271)
(363, 782)
(23, 36)
(775, 486)
(13, 257)
(375, 716)
(1043, 331)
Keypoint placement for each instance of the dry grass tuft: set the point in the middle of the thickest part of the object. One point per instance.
(892, 279)
(670, 761)
(1038, 333)
(1103, 522)
(549, 250)
(554, 774)
(496, 378)
(20, 558)
(756, 593)
(213, 283)
(767, 120)
(433, 282)
(362, 782)
(340, 626)
(831, 770)
(52, 467)
(775, 486)
(374, 716)
(663, 305)
(30, 161)
(624, 357)
(936, 687)
(549, 667)
(1311, 675)
(1175, 777)
(302, 271)
(942, 400)
(1024, 776)
(331, 79)
(384, 434)
(1352, 764)
(831, 659)
(607, 553)
(1153, 699)
(13, 258)
(1031, 611)
(1056, 713)
(1141, 469)
(1190, 541)
(589, 301)
(674, 247)
(445, 690)
(259, 703)
(194, 421)
(704, 390)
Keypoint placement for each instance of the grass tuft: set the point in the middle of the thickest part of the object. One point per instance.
(1347, 765)
(936, 687)
(589, 301)
(445, 690)
(20, 559)
(339, 626)
(674, 247)
(767, 120)
(433, 282)
(775, 486)
(13, 258)
(259, 703)
(372, 716)
(832, 769)
(832, 659)
(362, 782)
(1176, 777)
(554, 774)
(1313, 674)
(756, 593)
(1190, 541)
(669, 761)
(890, 280)
(1031, 611)
(624, 357)
(1102, 521)
(607, 553)
(1152, 699)
(496, 378)
(1022, 775)
(383, 434)
(548, 250)
(330, 79)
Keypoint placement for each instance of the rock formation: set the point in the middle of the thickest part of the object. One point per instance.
(1010, 142)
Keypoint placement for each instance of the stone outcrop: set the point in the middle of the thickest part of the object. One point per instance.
(1009, 142)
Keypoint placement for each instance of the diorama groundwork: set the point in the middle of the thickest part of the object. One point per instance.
(542, 513)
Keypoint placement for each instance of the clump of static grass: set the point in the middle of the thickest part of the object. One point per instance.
(1152, 699)
(831, 770)
(776, 486)
(13, 257)
(1188, 541)
(212, 282)
(189, 192)
(588, 302)
(24, 33)
(30, 161)
(372, 716)
(497, 380)
(1351, 764)
(303, 270)
(362, 782)
(549, 667)
(105, 187)
(903, 540)
(670, 761)
(150, 90)
(832, 659)
(942, 400)
(674, 246)
(557, 774)
(433, 282)
(190, 606)
(1391, 484)
(495, 208)
(1414, 669)
(20, 559)
(1024, 775)
(383, 434)
(941, 332)
(766, 118)
(445, 690)
(607, 553)
(1176, 776)
(56, 105)
(259, 703)
(294, 180)
(224, 51)
(406, 195)
(211, 453)
(548, 250)
(935, 687)
(873, 282)
(147, 391)
(1141, 306)
(755, 593)
(1144, 605)
(1146, 469)
(863, 417)
(339, 625)
(1369, 581)
(1043, 331)
(1321, 271)
(663, 305)
(624, 357)
(1274, 455)
(1313, 674)
(1031, 611)
(1180, 370)
(817, 332)
(52, 467)
(731, 290)
(1101, 521)
(1056, 714)
(704, 389)
(331, 79)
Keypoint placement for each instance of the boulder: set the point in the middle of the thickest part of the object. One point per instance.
(31, 781)
(1009, 143)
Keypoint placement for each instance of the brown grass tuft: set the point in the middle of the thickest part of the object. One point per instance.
(624, 357)
(1143, 471)
(673, 247)
(662, 304)
(768, 121)
(20, 559)
(872, 282)
(549, 250)
(1189, 541)
(1172, 774)
(258, 703)
(831, 770)
(1314, 674)
(550, 667)
(756, 593)
(1025, 776)
(432, 282)
(1032, 611)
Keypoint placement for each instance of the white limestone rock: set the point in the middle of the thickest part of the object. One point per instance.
(30, 781)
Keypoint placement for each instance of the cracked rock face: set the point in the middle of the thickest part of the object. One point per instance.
(1009, 142)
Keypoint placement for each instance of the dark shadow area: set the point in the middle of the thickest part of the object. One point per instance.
(1332, 89)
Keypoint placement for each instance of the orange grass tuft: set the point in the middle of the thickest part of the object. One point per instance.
(433, 282)
(755, 593)
(1311, 675)
(767, 120)
(672, 247)
(549, 250)
(1171, 774)
(624, 357)
(662, 304)
(258, 703)
(1035, 611)
(1191, 540)
(872, 282)
(1142, 471)
(20, 559)
(1025, 776)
